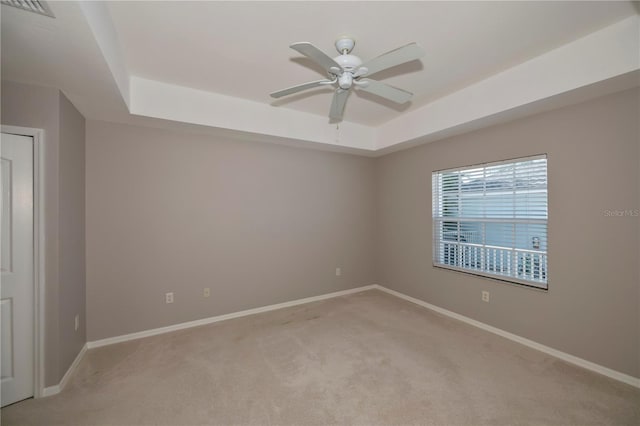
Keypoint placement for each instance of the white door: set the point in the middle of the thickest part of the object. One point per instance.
(16, 287)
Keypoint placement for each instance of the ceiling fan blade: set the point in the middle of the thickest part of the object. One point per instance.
(338, 103)
(386, 91)
(401, 55)
(300, 88)
(316, 55)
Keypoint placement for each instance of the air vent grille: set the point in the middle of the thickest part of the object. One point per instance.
(35, 6)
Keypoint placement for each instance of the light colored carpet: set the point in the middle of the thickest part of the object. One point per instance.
(367, 359)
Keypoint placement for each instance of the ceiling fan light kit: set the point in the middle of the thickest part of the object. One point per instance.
(346, 71)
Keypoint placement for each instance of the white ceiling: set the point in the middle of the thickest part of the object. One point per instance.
(240, 49)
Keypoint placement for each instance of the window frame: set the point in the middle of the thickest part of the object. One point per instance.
(438, 230)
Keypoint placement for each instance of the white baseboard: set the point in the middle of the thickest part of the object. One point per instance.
(622, 377)
(210, 320)
(55, 389)
(52, 390)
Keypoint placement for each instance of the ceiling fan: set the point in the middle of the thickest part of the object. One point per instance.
(346, 71)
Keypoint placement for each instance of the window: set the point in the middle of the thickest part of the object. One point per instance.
(491, 220)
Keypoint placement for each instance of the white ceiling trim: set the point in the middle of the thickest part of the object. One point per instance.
(600, 56)
(603, 55)
(99, 20)
(167, 101)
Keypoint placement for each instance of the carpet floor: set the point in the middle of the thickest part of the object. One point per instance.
(366, 359)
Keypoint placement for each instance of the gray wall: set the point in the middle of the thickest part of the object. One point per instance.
(257, 223)
(262, 224)
(71, 222)
(48, 109)
(592, 307)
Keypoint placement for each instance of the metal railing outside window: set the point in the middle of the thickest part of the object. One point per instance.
(491, 220)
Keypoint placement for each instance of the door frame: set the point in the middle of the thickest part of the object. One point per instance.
(38, 250)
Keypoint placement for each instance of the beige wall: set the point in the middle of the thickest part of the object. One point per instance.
(48, 109)
(262, 224)
(592, 307)
(256, 223)
(71, 222)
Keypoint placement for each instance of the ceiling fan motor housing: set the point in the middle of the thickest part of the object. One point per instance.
(348, 62)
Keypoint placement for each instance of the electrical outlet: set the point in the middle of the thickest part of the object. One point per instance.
(485, 296)
(77, 322)
(338, 272)
(168, 298)
(206, 292)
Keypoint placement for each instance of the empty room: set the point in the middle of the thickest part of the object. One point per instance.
(320, 213)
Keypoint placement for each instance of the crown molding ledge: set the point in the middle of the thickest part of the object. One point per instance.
(99, 21)
(605, 55)
(171, 102)
(602, 62)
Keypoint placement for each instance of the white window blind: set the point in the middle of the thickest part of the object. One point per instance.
(491, 220)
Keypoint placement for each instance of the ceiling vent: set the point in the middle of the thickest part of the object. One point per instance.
(35, 6)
